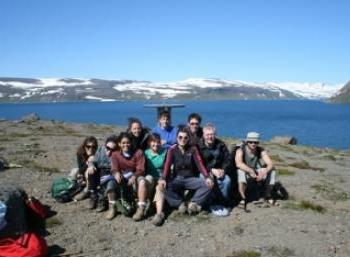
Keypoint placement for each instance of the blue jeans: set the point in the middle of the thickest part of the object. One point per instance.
(224, 186)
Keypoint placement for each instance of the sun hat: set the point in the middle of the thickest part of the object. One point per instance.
(252, 137)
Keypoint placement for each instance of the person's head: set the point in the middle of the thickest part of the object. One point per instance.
(88, 147)
(183, 137)
(252, 140)
(209, 132)
(134, 127)
(164, 119)
(194, 121)
(124, 142)
(154, 142)
(111, 144)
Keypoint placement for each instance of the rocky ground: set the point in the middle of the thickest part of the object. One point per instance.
(315, 221)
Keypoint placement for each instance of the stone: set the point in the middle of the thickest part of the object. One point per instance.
(285, 140)
(32, 117)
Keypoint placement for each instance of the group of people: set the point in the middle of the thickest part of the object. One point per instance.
(185, 167)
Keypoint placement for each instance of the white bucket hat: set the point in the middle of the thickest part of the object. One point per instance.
(253, 137)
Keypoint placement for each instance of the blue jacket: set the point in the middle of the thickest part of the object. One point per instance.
(168, 134)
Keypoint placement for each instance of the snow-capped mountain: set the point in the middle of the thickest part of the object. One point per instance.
(77, 89)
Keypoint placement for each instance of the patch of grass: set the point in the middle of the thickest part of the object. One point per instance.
(330, 157)
(280, 251)
(52, 222)
(304, 205)
(276, 158)
(329, 192)
(245, 254)
(285, 172)
(36, 166)
(304, 165)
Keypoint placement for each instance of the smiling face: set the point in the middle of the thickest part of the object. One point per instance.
(154, 145)
(110, 148)
(252, 145)
(136, 129)
(90, 148)
(194, 125)
(125, 145)
(182, 139)
(209, 136)
(164, 121)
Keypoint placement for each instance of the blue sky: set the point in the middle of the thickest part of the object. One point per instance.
(261, 40)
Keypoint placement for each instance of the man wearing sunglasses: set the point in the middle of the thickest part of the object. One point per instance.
(254, 163)
(194, 124)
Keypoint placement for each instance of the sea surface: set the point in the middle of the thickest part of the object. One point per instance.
(312, 122)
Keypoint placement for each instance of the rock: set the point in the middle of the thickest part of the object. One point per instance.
(285, 140)
(32, 117)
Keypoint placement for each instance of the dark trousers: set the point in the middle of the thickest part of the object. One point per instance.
(174, 193)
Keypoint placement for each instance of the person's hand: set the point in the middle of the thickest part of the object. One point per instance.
(261, 174)
(162, 142)
(118, 177)
(90, 159)
(252, 175)
(209, 182)
(162, 184)
(218, 173)
(132, 180)
(91, 170)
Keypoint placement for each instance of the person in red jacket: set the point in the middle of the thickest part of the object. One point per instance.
(128, 166)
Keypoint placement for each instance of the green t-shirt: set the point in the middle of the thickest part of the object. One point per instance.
(155, 162)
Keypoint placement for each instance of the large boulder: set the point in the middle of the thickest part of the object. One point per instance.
(284, 140)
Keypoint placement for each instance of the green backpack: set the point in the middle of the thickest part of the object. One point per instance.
(63, 189)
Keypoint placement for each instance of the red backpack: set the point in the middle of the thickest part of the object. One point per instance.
(27, 245)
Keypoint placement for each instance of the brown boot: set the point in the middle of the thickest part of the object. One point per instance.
(140, 213)
(112, 211)
(92, 203)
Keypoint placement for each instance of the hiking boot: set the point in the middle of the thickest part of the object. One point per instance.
(81, 196)
(112, 211)
(92, 202)
(193, 208)
(101, 206)
(182, 208)
(139, 214)
(158, 219)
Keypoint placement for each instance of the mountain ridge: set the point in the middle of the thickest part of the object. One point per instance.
(81, 89)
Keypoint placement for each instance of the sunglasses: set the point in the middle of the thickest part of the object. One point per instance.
(194, 123)
(110, 149)
(253, 142)
(90, 146)
(181, 137)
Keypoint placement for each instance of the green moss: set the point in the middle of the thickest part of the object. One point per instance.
(276, 158)
(52, 222)
(304, 165)
(36, 166)
(280, 251)
(304, 205)
(245, 254)
(285, 172)
(329, 192)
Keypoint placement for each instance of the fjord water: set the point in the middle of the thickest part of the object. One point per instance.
(311, 122)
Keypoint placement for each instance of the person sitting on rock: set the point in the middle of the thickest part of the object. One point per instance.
(138, 134)
(155, 157)
(217, 160)
(107, 182)
(254, 163)
(128, 168)
(194, 124)
(186, 162)
(85, 158)
(165, 130)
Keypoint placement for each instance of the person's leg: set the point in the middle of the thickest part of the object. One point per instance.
(159, 200)
(242, 184)
(269, 183)
(111, 189)
(142, 198)
(202, 191)
(92, 184)
(174, 192)
(225, 187)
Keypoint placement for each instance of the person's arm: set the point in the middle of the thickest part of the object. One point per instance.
(227, 163)
(140, 163)
(167, 164)
(269, 164)
(115, 170)
(241, 165)
(199, 162)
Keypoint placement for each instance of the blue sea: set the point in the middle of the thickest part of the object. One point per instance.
(312, 122)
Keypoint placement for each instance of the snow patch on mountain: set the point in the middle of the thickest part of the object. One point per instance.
(48, 82)
(90, 97)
